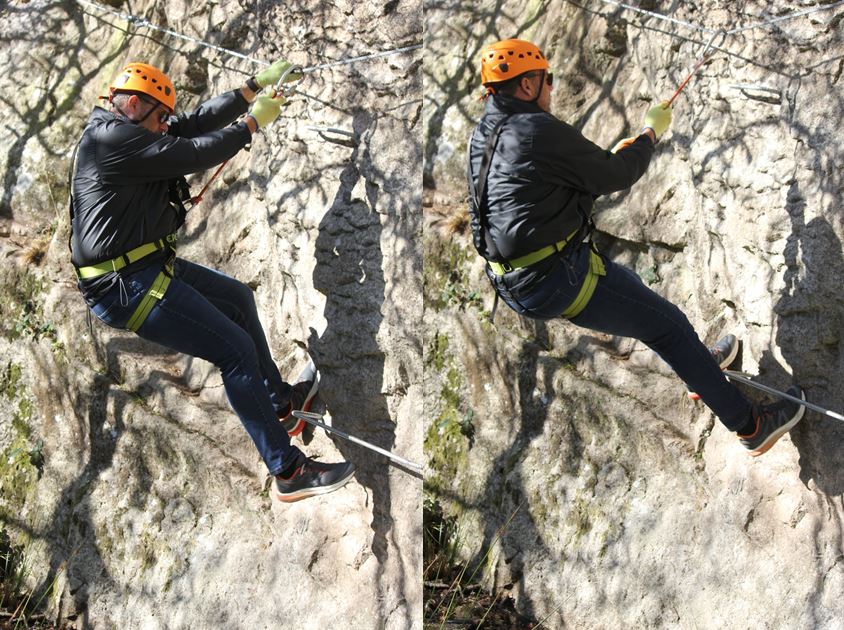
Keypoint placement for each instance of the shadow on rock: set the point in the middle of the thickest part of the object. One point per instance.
(349, 273)
(810, 322)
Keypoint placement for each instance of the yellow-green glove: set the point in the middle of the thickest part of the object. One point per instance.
(271, 75)
(266, 109)
(623, 144)
(658, 118)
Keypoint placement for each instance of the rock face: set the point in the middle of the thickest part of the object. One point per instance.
(135, 489)
(577, 469)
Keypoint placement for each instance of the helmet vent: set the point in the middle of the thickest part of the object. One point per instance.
(504, 67)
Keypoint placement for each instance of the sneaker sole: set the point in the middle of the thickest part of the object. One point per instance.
(300, 424)
(724, 365)
(292, 497)
(765, 446)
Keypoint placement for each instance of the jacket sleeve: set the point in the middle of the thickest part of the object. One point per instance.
(129, 154)
(212, 115)
(565, 156)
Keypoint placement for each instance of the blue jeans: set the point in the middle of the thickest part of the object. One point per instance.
(622, 305)
(209, 315)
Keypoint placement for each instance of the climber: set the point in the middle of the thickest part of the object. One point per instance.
(127, 202)
(532, 182)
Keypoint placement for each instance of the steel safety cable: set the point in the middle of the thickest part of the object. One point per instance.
(140, 22)
(706, 29)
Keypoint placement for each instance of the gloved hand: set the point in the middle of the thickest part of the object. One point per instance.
(658, 118)
(271, 75)
(623, 144)
(266, 109)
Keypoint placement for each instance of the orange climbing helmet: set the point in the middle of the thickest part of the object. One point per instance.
(147, 79)
(508, 59)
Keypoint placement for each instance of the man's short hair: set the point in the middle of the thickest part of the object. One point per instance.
(121, 99)
(511, 86)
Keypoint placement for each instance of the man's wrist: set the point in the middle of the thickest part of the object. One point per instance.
(248, 93)
(251, 123)
(650, 133)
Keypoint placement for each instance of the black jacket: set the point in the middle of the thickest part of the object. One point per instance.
(543, 178)
(123, 172)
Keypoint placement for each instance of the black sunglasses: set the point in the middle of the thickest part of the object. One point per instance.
(163, 115)
(549, 77)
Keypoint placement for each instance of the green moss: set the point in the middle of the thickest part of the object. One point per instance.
(579, 517)
(147, 551)
(452, 434)
(18, 476)
(21, 462)
(21, 418)
(438, 352)
(9, 380)
(445, 276)
(21, 308)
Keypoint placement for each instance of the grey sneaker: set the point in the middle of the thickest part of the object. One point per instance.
(312, 478)
(304, 390)
(772, 422)
(724, 352)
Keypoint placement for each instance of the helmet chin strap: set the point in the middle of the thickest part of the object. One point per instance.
(541, 83)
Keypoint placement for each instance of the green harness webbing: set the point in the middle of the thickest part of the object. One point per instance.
(596, 268)
(499, 269)
(116, 264)
(159, 286)
(155, 292)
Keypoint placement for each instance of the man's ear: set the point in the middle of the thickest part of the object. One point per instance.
(528, 86)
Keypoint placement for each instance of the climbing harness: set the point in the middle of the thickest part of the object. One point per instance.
(155, 292)
(132, 256)
(158, 287)
(741, 377)
(315, 420)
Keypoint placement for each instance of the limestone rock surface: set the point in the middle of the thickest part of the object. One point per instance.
(138, 495)
(632, 506)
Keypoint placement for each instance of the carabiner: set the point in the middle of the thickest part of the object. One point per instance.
(711, 47)
(285, 88)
